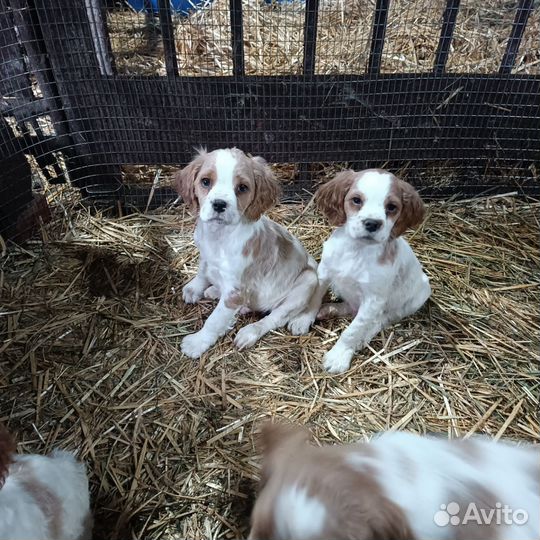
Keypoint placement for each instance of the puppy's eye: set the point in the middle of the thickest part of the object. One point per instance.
(242, 188)
(205, 182)
(357, 200)
(391, 207)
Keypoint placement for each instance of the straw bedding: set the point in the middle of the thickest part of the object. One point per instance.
(92, 320)
(92, 315)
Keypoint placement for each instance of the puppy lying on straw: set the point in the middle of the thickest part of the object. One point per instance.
(42, 497)
(398, 487)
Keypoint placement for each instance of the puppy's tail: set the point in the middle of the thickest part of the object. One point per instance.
(7, 450)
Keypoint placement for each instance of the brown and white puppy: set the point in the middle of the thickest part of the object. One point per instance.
(366, 261)
(400, 486)
(42, 497)
(246, 260)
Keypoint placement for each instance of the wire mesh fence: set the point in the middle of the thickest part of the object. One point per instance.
(445, 92)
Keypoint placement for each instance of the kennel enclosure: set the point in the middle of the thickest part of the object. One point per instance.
(71, 113)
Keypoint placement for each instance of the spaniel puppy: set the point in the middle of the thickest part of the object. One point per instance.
(366, 261)
(246, 260)
(42, 497)
(398, 487)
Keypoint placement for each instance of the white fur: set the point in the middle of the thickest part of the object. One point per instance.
(420, 474)
(375, 186)
(298, 515)
(374, 294)
(223, 190)
(221, 241)
(21, 515)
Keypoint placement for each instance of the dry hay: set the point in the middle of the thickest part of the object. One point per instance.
(92, 320)
(273, 38)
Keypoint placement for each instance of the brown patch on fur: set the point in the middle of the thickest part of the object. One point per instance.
(235, 300)
(48, 502)
(267, 190)
(357, 506)
(411, 209)
(252, 248)
(185, 181)
(7, 450)
(272, 251)
(388, 256)
(483, 499)
(330, 197)
(332, 310)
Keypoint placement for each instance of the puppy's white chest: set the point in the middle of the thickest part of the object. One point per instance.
(351, 271)
(222, 255)
(223, 265)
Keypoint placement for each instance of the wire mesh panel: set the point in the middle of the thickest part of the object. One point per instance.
(445, 92)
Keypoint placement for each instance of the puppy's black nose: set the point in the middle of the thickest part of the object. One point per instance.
(219, 206)
(372, 225)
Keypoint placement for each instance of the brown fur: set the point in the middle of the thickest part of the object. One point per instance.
(235, 300)
(330, 197)
(272, 252)
(388, 256)
(332, 310)
(7, 450)
(267, 190)
(48, 502)
(185, 181)
(411, 207)
(357, 507)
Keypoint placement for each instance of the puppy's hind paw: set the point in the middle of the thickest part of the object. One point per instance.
(191, 293)
(247, 336)
(212, 293)
(301, 324)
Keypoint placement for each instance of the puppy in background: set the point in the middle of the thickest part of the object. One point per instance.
(247, 261)
(42, 497)
(366, 261)
(400, 486)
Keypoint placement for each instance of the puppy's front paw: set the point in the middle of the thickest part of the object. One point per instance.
(301, 324)
(247, 336)
(338, 359)
(192, 292)
(196, 344)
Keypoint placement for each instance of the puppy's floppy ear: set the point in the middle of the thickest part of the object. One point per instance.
(276, 441)
(267, 189)
(185, 181)
(274, 436)
(7, 449)
(330, 197)
(412, 209)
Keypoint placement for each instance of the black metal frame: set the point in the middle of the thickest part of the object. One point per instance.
(103, 119)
